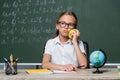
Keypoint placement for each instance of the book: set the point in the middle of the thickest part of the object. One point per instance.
(46, 71)
(62, 72)
(39, 71)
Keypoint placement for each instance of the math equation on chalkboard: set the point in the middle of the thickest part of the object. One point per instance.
(26, 21)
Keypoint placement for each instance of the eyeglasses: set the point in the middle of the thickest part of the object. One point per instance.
(64, 24)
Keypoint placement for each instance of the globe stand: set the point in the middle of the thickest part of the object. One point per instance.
(97, 71)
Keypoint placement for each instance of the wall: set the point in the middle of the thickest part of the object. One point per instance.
(25, 26)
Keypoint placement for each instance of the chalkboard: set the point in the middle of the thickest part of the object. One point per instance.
(26, 25)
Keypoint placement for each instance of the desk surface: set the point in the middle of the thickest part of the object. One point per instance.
(86, 74)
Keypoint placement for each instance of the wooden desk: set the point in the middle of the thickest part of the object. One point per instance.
(108, 74)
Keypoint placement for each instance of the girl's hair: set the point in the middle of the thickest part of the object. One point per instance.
(65, 13)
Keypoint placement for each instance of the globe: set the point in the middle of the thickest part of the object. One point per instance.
(98, 59)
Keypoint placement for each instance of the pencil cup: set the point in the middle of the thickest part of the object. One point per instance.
(11, 68)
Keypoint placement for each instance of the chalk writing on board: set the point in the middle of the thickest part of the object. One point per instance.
(25, 21)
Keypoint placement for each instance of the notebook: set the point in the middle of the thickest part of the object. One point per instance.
(46, 71)
(39, 71)
(62, 72)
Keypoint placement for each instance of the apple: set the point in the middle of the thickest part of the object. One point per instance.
(69, 33)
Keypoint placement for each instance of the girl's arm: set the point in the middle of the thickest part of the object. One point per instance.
(82, 60)
(48, 65)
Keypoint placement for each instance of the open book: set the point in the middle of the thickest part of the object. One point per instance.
(46, 71)
(62, 72)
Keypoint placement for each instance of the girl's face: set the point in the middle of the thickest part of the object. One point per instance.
(65, 23)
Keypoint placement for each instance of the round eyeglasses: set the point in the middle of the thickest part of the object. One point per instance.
(64, 24)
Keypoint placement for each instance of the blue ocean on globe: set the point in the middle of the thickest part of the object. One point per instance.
(97, 58)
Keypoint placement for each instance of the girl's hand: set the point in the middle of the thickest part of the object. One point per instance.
(69, 67)
(75, 35)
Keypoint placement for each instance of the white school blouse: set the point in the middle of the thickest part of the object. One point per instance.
(62, 54)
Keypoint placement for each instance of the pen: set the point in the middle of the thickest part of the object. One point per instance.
(16, 59)
(6, 61)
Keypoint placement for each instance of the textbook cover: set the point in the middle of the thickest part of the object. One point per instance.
(39, 71)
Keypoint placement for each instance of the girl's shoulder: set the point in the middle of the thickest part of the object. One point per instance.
(52, 40)
(80, 42)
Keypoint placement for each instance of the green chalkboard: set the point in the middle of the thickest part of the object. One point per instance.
(26, 25)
